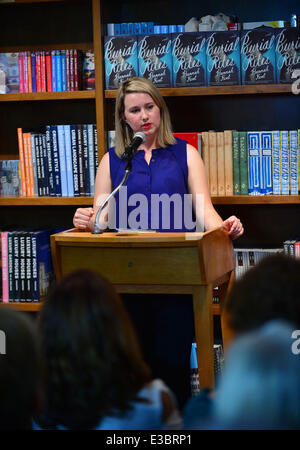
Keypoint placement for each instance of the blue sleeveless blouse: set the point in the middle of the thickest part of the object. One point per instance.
(155, 192)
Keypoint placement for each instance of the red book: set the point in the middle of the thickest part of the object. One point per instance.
(72, 70)
(48, 71)
(38, 71)
(193, 138)
(43, 71)
(76, 66)
(21, 72)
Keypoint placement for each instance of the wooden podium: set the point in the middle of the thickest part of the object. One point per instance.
(178, 263)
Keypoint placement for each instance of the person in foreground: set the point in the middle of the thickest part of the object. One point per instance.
(163, 165)
(21, 392)
(96, 377)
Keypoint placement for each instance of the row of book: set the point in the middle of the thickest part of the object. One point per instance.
(60, 162)
(27, 269)
(257, 56)
(47, 71)
(245, 258)
(117, 29)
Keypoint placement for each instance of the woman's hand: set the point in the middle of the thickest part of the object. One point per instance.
(82, 217)
(234, 227)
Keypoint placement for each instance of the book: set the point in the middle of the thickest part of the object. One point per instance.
(4, 264)
(91, 156)
(294, 162)
(53, 71)
(228, 162)
(120, 59)
(9, 73)
(22, 266)
(48, 71)
(287, 53)
(62, 160)
(244, 163)
(276, 162)
(258, 56)
(192, 138)
(236, 163)
(43, 72)
(75, 161)
(34, 164)
(42, 268)
(86, 168)
(88, 75)
(213, 163)
(189, 59)
(205, 153)
(155, 59)
(9, 178)
(49, 161)
(285, 162)
(11, 290)
(266, 162)
(69, 165)
(223, 58)
(28, 269)
(80, 159)
(220, 163)
(55, 160)
(254, 162)
(22, 162)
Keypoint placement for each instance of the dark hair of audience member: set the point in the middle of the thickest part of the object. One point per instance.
(94, 366)
(20, 371)
(269, 290)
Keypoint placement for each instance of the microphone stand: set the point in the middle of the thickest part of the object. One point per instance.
(128, 169)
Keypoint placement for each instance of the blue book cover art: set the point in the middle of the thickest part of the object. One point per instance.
(120, 60)
(254, 163)
(266, 162)
(189, 59)
(69, 165)
(155, 59)
(223, 58)
(287, 53)
(258, 56)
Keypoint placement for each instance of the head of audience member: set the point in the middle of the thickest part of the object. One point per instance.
(260, 386)
(94, 366)
(269, 290)
(20, 370)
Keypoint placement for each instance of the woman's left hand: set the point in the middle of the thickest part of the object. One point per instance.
(234, 227)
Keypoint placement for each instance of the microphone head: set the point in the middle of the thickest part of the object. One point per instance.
(140, 135)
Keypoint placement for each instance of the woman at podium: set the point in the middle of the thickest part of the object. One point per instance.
(166, 191)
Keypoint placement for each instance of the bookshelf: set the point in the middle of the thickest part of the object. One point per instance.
(268, 220)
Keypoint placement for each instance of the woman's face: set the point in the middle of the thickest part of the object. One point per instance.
(141, 113)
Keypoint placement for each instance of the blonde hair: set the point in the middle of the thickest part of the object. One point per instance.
(124, 133)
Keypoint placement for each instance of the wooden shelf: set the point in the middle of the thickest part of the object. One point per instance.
(88, 201)
(32, 96)
(220, 90)
(30, 307)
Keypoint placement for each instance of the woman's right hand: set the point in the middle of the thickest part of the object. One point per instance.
(82, 217)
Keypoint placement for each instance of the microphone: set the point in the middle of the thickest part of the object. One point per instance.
(131, 150)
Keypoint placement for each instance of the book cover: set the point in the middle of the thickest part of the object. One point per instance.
(69, 166)
(39, 167)
(16, 269)
(38, 71)
(62, 160)
(11, 288)
(42, 268)
(95, 147)
(58, 71)
(254, 162)
(220, 163)
(33, 72)
(189, 59)
(80, 160)
(266, 162)
(258, 56)
(244, 163)
(4, 264)
(294, 162)
(22, 266)
(88, 75)
(63, 70)
(43, 144)
(155, 59)
(28, 279)
(28, 55)
(228, 162)
(9, 73)
(213, 163)
(276, 162)
(9, 178)
(287, 53)
(53, 71)
(285, 162)
(193, 138)
(43, 72)
(223, 58)
(75, 161)
(120, 59)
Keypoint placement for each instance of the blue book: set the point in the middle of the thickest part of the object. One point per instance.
(53, 71)
(55, 160)
(42, 268)
(136, 28)
(33, 71)
(189, 59)
(63, 70)
(124, 28)
(294, 162)
(258, 56)
(276, 162)
(75, 164)
(58, 71)
(91, 157)
(69, 165)
(287, 53)
(120, 60)
(285, 162)
(62, 160)
(266, 162)
(254, 163)
(223, 58)
(155, 59)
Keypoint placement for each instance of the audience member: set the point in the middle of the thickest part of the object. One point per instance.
(95, 375)
(20, 371)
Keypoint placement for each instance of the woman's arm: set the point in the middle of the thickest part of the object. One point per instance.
(198, 185)
(84, 217)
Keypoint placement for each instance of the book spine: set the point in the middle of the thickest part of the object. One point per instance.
(276, 162)
(294, 162)
(25, 68)
(56, 165)
(16, 250)
(266, 162)
(11, 290)
(63, 70)
(50, 161)
(254, 162)
(96, 147)
(4, 262)
(244, 163)
(75, 160)
(22, 267)
(48, 71)
(21, 72)
(213, 163)
(45, 164)
(62, 160)
(40, 180)
(228, 162)
(236, 162)
(53, 70)
(220, 163)
(38, 71)
(69, 166)
(33, 72)
(72, 70)
(86, 160)
(42, 166)
(29, 287)
(75, 70)
(91, 158)
(34, 164)
(58, 71)
(35, 296)
(29, 76)
(205, 154)
(43, 72)
(22, 162)
(68, 69)
(30, 165)
(80, 160)
(285, 163)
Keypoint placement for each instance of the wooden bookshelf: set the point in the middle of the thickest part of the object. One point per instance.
(46, 96)
(28, 307)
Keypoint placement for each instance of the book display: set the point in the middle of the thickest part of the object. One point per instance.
(235, 108)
